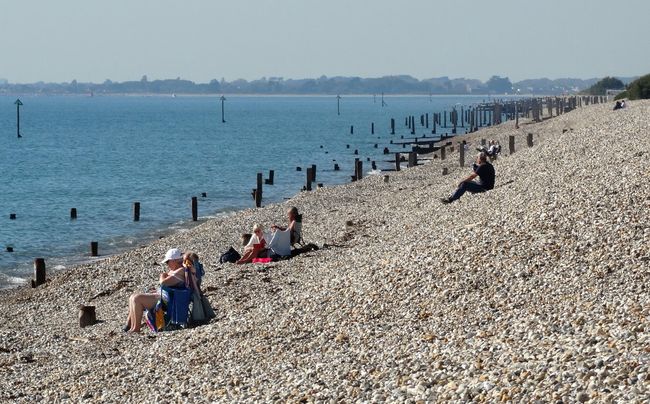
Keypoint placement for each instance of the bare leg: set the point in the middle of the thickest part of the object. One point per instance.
(137, 304)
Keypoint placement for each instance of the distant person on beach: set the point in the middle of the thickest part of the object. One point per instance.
(622, 104)
(492, 150)
(256, 247)
(482, 169)
(617, 105)
(139, 302)
(295, 225)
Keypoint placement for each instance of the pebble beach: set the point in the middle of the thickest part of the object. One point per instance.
(536, 291)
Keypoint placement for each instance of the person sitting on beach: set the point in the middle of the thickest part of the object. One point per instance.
(295, 225)
(484, 170)
(617, 105)
(492, 150)
(192, 263)
(256, 247)
(622, 104)
(139, 302)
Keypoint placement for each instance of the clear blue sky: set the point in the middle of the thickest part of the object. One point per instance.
(205, 39)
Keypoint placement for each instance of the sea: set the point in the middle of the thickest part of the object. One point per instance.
(101, 154)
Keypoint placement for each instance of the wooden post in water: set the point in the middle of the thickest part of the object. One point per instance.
(195, 209)
(39, 272)
(12, 216)
(530, 140)
(372, 128)
(511, 144)
(427, 120)
(18, 104)
(398, 157)
(73, 213)
(270, 180)
(93, 248)
(352, 129)
(313, 173)
(359, 169)
(223, 117)
(258, 191)
(308, 179)
(136, 211)
(392, 126)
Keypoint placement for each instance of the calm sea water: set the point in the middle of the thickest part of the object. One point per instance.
(100, 154)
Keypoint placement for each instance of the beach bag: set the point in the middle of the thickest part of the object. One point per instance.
(207, 308)
(201, 309)
(198, 314)
(229, 256)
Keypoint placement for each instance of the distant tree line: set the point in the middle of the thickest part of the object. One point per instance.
(607, 83)
(639, 89)
(323, 85)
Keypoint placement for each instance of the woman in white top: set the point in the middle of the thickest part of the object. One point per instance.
(256, 246)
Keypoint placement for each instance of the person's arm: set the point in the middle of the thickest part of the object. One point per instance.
(469, 178)
(279, 228)
(172, 277)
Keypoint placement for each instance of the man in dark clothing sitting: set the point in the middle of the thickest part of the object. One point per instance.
(484, 170)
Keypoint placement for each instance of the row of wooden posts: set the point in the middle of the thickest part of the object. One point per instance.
(483, 114)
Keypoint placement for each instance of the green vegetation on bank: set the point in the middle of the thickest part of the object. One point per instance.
(608, 83)
(637, 90)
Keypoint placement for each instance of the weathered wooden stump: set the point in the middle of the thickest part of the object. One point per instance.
(87, 316)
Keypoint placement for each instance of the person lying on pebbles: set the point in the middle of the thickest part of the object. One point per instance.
(484, 170)
(139, 302)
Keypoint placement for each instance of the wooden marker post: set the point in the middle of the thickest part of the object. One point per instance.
(73, 213)
(372, 128)
(136, 211)
(392, 126)
(443, 152)
(195, 209)
(352, 129)
(413, 159)
(397, 161)
(258, 191)
(94, 246)
(461, 149)
(18, 104)
(511, 143)
(87, 316)
(223, 116)
(308, 179)
(359, 170)
(313, 173)
(39, 272)
(269, 181)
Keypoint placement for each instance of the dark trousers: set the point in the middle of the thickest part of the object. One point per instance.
(471, 186)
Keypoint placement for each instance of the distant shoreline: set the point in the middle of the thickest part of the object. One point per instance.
(315, 95)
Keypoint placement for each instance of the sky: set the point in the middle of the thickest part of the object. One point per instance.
(201, 40)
